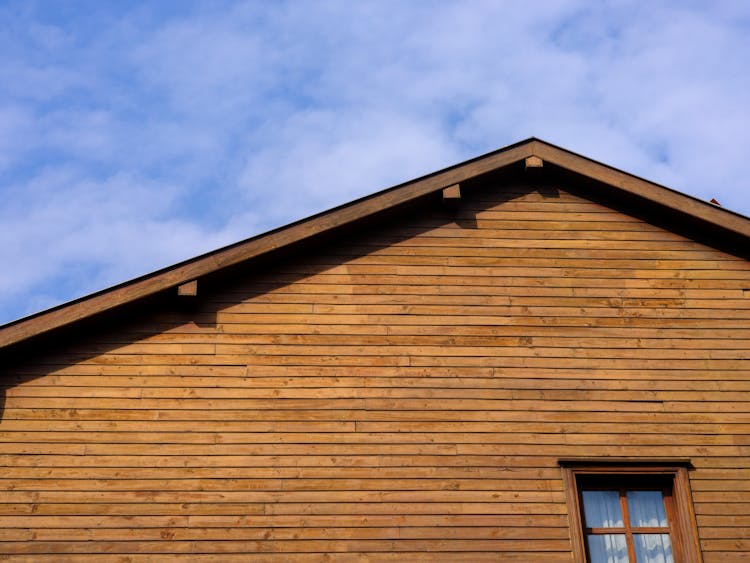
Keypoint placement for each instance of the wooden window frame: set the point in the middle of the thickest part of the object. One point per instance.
(620, 475)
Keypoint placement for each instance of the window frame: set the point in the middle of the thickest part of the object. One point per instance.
(619, 475)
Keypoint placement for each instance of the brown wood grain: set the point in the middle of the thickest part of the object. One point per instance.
(405, 395)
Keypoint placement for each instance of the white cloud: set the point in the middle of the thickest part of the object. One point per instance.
(134, 139)
(116, 227)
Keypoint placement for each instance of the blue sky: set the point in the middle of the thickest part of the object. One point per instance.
(137, 134)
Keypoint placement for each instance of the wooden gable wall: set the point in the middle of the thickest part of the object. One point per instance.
(403, 394)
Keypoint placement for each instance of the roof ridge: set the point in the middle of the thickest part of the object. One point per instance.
(359, 209)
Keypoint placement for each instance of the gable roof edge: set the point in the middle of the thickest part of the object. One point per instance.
(195, 268)
(231, 255)
(634, 185)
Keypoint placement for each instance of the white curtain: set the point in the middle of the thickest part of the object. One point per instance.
(602, 509)
(612, 548)
(653, 548)
(646, 509)
(609, 548)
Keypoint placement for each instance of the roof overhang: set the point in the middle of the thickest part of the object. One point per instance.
(358, 210)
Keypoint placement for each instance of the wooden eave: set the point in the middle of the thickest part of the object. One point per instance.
(348, 214)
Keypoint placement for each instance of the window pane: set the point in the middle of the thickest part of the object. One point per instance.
(646, 509)
(653, 548)
(602, 509)
(609, 548)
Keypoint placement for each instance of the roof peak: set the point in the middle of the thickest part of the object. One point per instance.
(357, 210)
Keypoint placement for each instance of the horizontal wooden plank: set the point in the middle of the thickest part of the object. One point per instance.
(502, 213)
(42, 424)
(556, 224)
(739, 482)
(447, 228)
(664, 372)
(125, 397)
(721, 508)
(732, 544)
(280, 497)
(156, 428)
(278, 485)
(507, 356)
(341, 449)
(183, 503)
(317, 463)
(499, 239)
(521, 524)
(424, 360)
(725, 533)
(319, 546)
(479, 277)
(105, 385)
(294, 335)
(535, 269)
(662, 320)
(723, 496)
(721, 521)
(725, 556)
(413, 261)
(459, 333)
(604, 309)
(411, 298)
(646, 402)
(110, 384)
(504, 477)
(360, 438)
(237, 350)
(185, 533)
(358, 557)
(508, 462)
(387, 415)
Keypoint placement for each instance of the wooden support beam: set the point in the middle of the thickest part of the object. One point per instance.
(452, 194)
(534, 162)
(452, 197)
(189, 289)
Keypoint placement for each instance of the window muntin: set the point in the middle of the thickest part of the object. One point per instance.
(624, 525)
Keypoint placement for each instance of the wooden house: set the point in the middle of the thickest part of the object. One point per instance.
(530, 357)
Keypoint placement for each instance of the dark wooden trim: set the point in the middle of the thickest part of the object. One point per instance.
(452, 192)
(188, 289)
(614, 462)
(533, 162)
(573, 502)
(683, 503)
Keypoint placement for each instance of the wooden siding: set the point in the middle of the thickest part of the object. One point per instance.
(404, 395)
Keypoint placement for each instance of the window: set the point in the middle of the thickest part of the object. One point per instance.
(631, 512)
